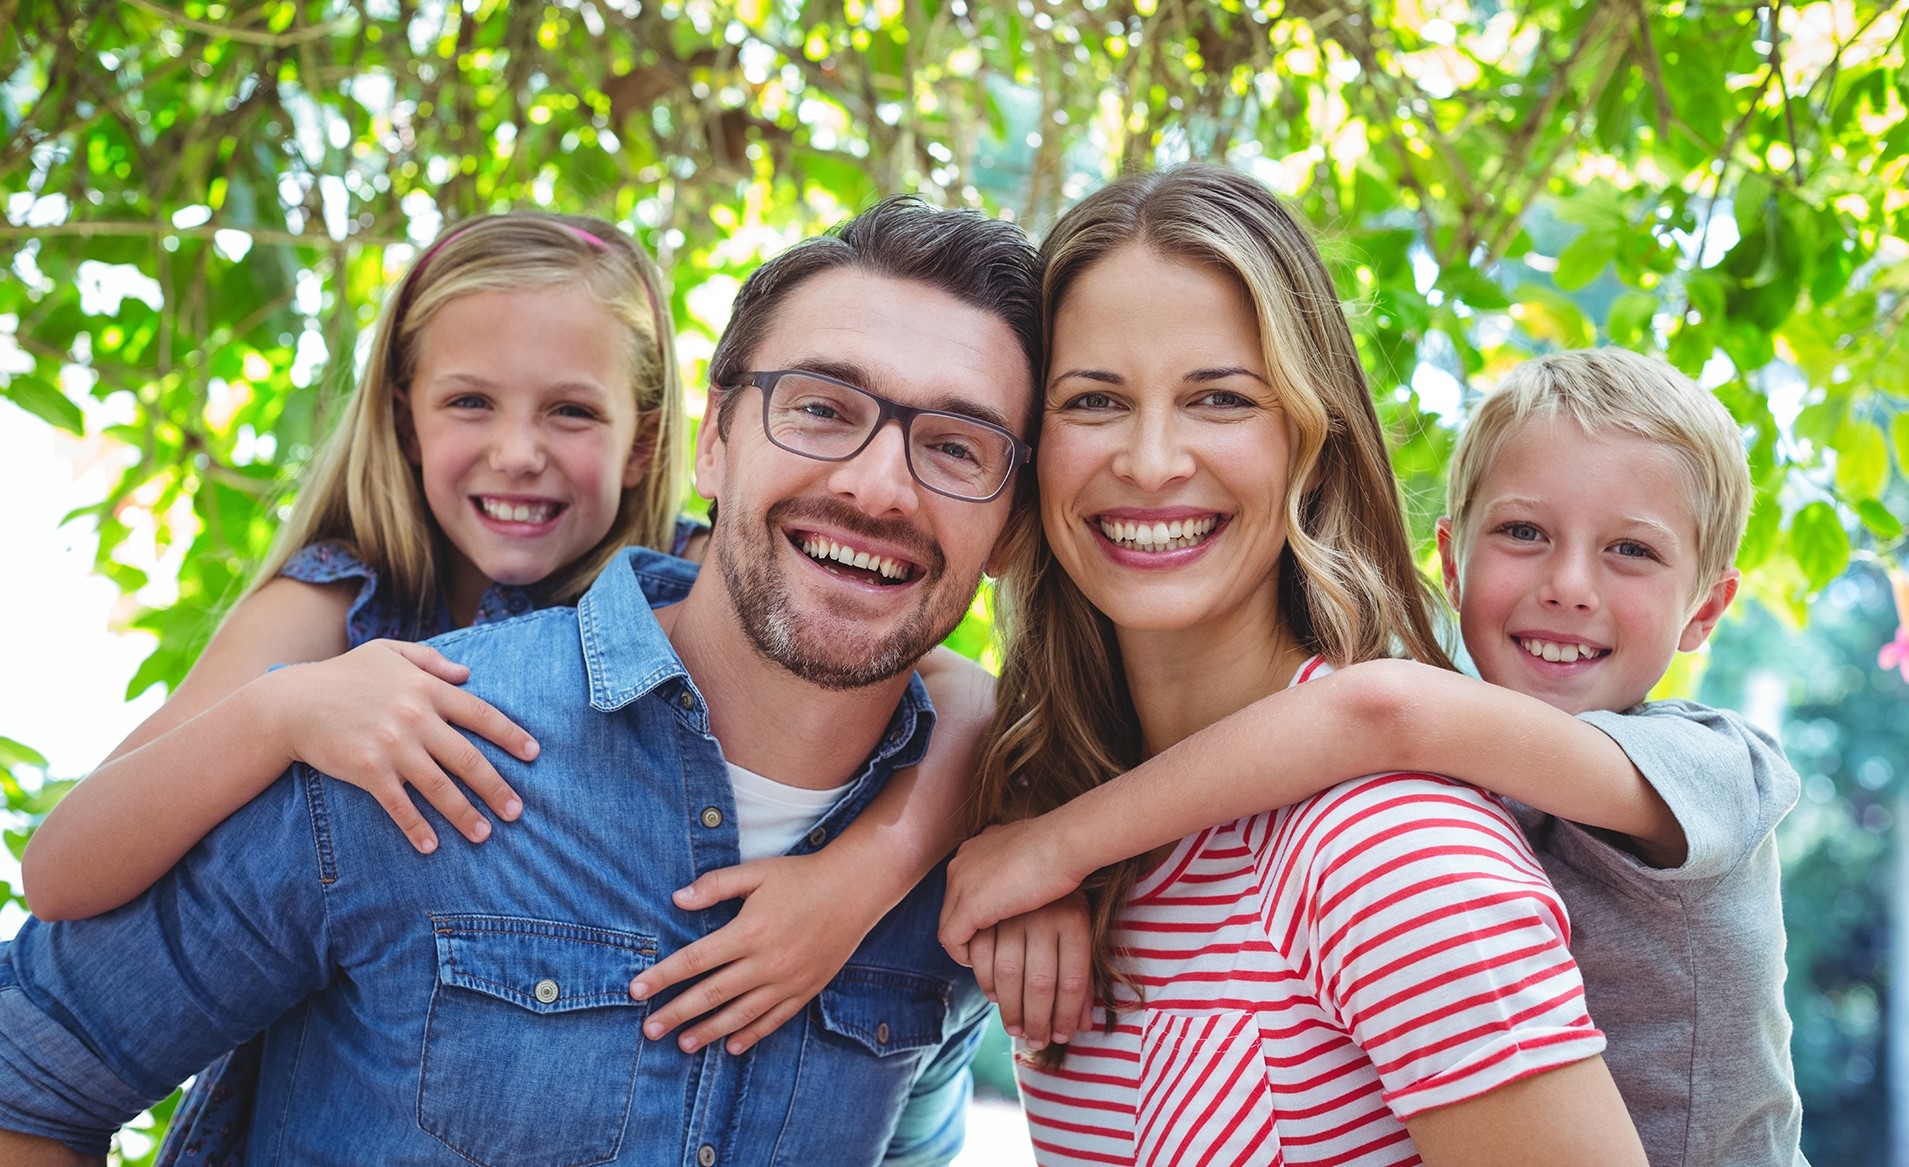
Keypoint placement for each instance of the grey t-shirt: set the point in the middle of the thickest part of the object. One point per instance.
(1683, 966)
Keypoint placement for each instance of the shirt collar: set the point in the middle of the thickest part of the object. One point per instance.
(624, 649)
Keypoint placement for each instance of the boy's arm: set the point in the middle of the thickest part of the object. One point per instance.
(1366, 718)
(803, 916)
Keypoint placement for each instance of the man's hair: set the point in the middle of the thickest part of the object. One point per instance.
(986, 263)
(1614, 389)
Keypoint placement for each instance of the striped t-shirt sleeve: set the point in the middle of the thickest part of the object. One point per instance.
(1428, 927)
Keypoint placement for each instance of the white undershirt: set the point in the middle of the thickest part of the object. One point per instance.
(772, 817)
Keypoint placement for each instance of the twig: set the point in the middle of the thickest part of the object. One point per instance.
(120, 228)
(244, 35)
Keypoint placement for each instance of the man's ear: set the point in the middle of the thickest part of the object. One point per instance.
(405, 427)
(1715, 603)
(642, 449)
(712, 451)
(1448, 558)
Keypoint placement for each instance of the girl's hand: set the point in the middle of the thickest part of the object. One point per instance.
(1036, 967)
(795, 931)
(380, 717)
(1003, 871)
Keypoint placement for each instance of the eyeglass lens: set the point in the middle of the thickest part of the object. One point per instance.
(948, 452)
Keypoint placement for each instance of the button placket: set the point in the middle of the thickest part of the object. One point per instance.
(706, 1155)
(712, 817)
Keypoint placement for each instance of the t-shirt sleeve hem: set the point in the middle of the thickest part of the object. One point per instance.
(1490, 1067)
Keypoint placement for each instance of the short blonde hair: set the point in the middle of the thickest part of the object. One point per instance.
(1616, 389)
(362, 491)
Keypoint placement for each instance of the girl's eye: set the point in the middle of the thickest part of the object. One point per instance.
(467, 401)
(577, 411)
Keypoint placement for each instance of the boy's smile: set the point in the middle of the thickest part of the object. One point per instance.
(1575, 577)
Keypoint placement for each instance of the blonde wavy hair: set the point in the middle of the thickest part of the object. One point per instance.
(363, 492)
(1348, 588)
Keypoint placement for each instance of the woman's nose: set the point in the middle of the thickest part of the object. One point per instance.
(1155, 454)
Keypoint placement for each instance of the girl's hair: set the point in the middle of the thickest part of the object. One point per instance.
(1348, 587)
(362, 491)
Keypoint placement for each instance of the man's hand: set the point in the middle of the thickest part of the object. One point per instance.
(18, 1150)
(1004, 871)
(798, 926)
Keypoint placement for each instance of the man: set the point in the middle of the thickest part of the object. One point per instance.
(473, 1006)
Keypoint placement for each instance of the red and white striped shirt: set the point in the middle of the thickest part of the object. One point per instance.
(1316, 975)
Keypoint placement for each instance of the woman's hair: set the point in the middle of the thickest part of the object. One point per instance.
(1348, 588)
(362, 491)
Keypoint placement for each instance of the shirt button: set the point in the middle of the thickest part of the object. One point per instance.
(686, 699)
(546, 990)
(818, 836)
(706, 1155)
(881, 1033)
(712, 818)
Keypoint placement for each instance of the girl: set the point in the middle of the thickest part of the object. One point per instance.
(519, 422)
(1375, 975)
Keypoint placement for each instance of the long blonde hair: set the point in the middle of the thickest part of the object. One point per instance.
(361, 490)
(1348, 588)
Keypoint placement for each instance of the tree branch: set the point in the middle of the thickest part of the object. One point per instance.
(244, 35)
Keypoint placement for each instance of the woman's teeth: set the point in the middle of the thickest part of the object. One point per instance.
(1560, 652)
(1158, 536)
(816, 547)
(518, 512)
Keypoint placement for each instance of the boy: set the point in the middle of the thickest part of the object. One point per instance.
(1596, 503)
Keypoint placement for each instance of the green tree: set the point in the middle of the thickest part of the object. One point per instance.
(1721, 184)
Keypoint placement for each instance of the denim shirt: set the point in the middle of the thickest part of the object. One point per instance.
(472, 1005)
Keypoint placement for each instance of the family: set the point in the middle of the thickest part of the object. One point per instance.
(1259, 878)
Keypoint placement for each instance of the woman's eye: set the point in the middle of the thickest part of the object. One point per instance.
(1089, 401)
(1226, 399)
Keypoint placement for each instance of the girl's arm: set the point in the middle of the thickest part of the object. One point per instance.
(1363, 719)
(379, 717)
(804, 915)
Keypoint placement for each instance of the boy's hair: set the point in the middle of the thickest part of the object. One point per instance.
(986, 263)
(362, 491)
(1616, 389)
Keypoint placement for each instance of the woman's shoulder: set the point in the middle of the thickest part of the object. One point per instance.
(1400, 820)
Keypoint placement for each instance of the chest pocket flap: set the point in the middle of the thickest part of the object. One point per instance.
(886, 1011)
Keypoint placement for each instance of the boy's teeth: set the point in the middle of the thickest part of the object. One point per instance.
(1173, 536)
(1562, 652)
(816, 547)
(533, 512)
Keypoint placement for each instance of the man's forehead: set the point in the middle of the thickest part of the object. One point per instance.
(902, 338)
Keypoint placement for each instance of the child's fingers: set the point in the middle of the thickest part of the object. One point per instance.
(956, 928)
(430, 660)
(429, 777)
(764, 1025)
(724, 883)
(704, 997)
(1010, 956)
(482, 718)
(734, 1015)
(1073, 981)
(457, 756)
(1038, 979)
(981, 951)
(391, 795)
(721, 947)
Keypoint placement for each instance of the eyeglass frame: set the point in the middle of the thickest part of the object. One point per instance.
(886, 409)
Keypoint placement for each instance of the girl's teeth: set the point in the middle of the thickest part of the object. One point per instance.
(1173, 536)
(517, 512)
(819, 548)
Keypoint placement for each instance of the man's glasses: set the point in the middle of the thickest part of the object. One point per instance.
(832, 421)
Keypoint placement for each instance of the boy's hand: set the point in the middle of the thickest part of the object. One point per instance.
(1003, 871)
(1036, 967)
(382, 718)
(796, 930)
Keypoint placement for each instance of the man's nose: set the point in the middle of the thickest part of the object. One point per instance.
(878, 478)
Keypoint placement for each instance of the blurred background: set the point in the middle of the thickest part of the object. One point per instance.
(205, 202)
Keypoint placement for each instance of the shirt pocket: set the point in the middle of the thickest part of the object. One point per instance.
(1204, 1096)
(531, 1043)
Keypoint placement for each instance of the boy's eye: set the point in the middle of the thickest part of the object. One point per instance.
(1632, 549)
(1522, 532)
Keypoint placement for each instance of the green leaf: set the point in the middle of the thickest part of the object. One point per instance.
(43, 400)
(1761, 535)
(1474, 288)
(1584, 259)
(1877, 518)
(1630, 320)
(1820, 544)
(13, 753)
(1862, 460)
(1899, 432)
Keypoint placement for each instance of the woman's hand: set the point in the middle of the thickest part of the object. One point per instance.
(1003, 871)
(799, 924)
(1037, 968)
(382, 718)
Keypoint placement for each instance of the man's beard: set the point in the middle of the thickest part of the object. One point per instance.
(760, 592)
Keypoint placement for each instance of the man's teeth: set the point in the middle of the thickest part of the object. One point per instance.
(1158, 536)
(1563, 653)
(520, 512)
(816, 547)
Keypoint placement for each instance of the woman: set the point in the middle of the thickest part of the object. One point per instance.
(1378, 974)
